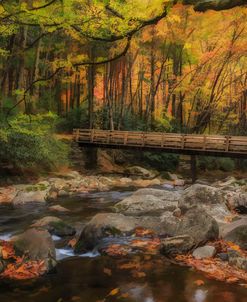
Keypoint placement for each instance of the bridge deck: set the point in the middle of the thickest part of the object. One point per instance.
(232, 146)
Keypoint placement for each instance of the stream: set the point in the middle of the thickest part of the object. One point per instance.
(91, 277)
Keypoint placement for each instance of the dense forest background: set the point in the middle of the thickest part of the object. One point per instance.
(129, 65)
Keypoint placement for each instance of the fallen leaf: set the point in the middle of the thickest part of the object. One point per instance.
(125, 296)
(199, 282)
(139, 274)
(142, 232)
(72, 243)
(114, 292)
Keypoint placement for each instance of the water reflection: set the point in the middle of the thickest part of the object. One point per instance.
(200, 295)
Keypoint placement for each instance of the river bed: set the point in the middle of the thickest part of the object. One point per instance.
(94, 278)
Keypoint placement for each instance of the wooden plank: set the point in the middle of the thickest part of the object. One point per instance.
(197, 142)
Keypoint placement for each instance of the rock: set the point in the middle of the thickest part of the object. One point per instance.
(146, 182)
(172, 176)
(211, 199)
(63, 193)
(219, 212)
(223, 256)
(201, 195)
(179, 182)
(136, 170)
(168, 224)
(176, 245)
(106, 181)
(237, 259)
(199, 225)
(125, 180)
(58, 208)
(236, 200)
(238, 236)
(52, 195)
(228, 227)
(59, 183)
(177, 213)
(72, 175)
(148, 201)
(38, 245)
(104, 225)
(28, 198)
(206, 251)
(229, 181)
(7, 195)
(55, 226)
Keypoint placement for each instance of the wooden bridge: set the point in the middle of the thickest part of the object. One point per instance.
(191, 144)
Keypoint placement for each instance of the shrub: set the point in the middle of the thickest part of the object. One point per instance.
(29, 142)
(161, 161)
(216, 163)
(226, 164)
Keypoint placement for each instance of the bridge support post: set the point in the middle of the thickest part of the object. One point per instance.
(193, 168)
(91, 158)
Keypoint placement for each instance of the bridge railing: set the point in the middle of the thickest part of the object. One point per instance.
(217, 143)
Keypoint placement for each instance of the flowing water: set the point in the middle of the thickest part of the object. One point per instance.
(91, 277)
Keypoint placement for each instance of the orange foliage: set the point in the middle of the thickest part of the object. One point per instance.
(141, 232)
(19, 268)
(215, 269)
(199, 282)
(117, 250)
(24, 271)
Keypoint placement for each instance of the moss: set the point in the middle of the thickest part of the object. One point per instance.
(61, 228)
(79, 247)
(112, 231)
(36, 188)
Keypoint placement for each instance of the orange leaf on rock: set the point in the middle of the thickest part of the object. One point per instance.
(72, 243)
(141, 232)
(8, 251)
(199, 282)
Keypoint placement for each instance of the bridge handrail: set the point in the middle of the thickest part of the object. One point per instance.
(217, 143)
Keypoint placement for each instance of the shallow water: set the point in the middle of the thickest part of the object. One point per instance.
(90, 277)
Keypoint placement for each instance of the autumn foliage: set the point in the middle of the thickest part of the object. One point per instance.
(19, 268)
(215, 268)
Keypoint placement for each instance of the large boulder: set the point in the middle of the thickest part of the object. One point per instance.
(55, 226)
(236, 200)
(211, 199)
(105, 225)
(148, 202)
(199, 225)
(177, 245)
(228, 227)
(238, 236)
(59, 209)
(198, 194)
(7, 194)
(24, 198)
(37, 245)
(237, 259)
(139, 171)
